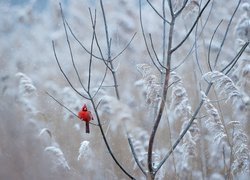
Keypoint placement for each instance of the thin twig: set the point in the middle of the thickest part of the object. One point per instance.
(196, 52)
(163, 39)
(181, 9)
(95, 56)
(195, 44)
(59, 65)
(157, 12)
(201, 33)
(101, 53)
(226, 33)
(70, 49)
(108, 40)
(153, 48)
(210, 44)
(61, 104)
(93, 20)
(101, 84)
(79, 42)
(171, 9)
(235, 60)
(194, 24)
(124, 47)
(106, 30)
(145, 39)
(183, 61)
(197, 37)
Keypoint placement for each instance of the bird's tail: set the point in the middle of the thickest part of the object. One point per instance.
(87, 127)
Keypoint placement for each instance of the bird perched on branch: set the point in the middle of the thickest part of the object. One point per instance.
(86, 116)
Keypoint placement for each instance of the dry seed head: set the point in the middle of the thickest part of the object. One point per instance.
(26, 86)
(27, 94)
(223, 85)
(151, 82)
(83, 150)
(246, 7)
(180, 102)
(58, 156)
(47, 131)
(241, 153)
(213, 123)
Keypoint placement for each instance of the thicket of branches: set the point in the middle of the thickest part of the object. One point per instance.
(179, 111)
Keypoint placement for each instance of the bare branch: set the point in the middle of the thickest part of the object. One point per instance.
(225, 34)
(171, 8)
(196, 38)
(163, 38)
(106, 30)
(101, 84)
(93, 20)
(59, 65)
(106, 142)
(183, 61)
(235, 59)
(157, 12)
(108, 40)
(209, 48)
(162, 102)
(79, 42)
(156, 56)
(70, 49)
(145, 40)
(124, 48)
(181, 9)
(61, 104)
(194, 24)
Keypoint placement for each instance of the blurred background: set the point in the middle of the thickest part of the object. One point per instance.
(41, 140)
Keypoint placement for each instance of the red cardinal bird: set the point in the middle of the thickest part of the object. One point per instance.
(86, 116)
